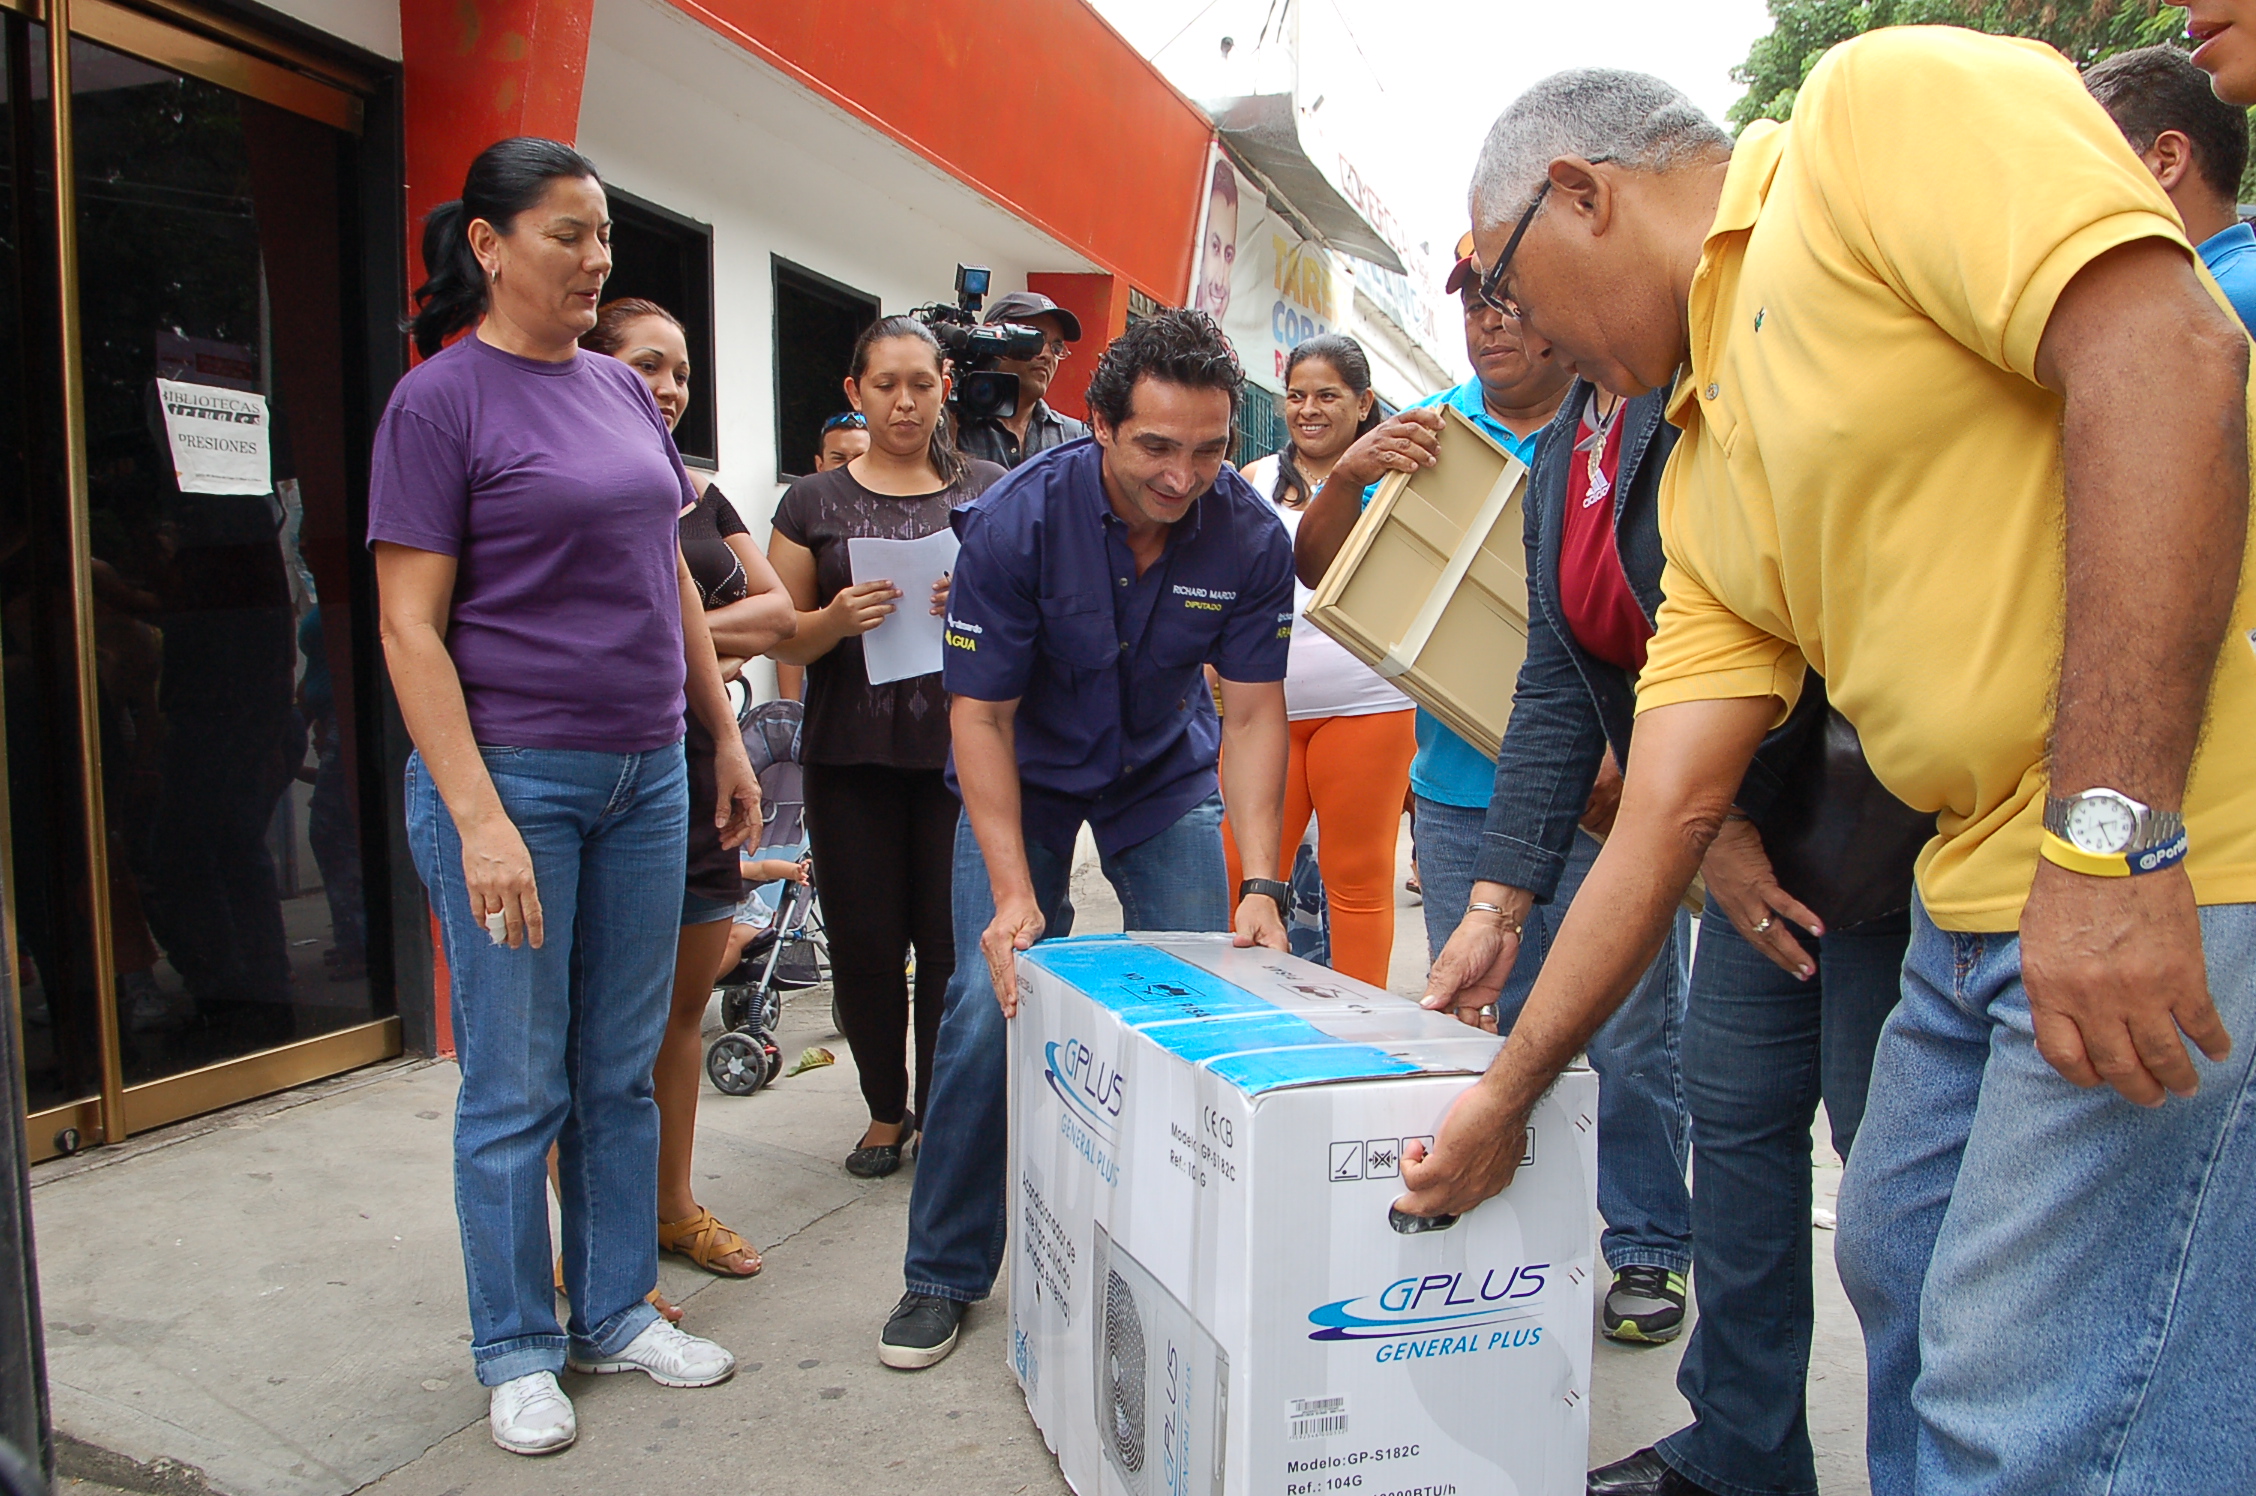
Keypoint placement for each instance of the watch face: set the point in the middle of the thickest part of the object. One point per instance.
(2102, 824)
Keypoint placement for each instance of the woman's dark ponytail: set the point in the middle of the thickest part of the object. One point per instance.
(1353, 366)
(508, 177)
(454, 295)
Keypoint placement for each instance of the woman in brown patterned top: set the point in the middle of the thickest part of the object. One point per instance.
(746, 611)
(880, 817)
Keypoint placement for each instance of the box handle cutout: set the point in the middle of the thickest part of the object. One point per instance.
(1409, 1225)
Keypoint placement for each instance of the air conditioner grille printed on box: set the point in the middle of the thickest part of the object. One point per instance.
(1430, 587)
(1207, 1298)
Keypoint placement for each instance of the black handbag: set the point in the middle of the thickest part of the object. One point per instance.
(1837, 840)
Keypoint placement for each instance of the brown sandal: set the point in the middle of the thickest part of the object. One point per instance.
(705, 1241)
(667, 1309)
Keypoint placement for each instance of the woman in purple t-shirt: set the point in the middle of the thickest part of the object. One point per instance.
(541, 628)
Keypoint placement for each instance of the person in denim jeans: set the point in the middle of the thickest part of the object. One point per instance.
(1761, 1041)
(1973, 443)
(543, 634)
(1095, 584)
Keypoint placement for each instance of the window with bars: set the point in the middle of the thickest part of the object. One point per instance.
(1261, 427)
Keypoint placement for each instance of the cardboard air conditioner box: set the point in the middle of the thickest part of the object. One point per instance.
(1207, 1294)
(1430, 588)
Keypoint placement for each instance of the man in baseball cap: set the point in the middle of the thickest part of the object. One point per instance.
(1033, 427)
(1464, 272)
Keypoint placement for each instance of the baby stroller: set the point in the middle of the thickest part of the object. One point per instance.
(789, 954)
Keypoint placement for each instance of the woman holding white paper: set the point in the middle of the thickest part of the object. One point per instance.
(880, 816)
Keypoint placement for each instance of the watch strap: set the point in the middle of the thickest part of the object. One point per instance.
(2062, 852)
(2065, 853)
(1278, 891)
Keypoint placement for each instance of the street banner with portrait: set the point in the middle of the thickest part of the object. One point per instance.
(1269, 288)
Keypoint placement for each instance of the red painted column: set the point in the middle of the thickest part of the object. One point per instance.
(478, 71)
(1101, 302)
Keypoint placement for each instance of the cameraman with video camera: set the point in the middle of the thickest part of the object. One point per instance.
(1032, 427)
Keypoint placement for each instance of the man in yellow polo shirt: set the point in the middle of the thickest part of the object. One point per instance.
(1966, 432)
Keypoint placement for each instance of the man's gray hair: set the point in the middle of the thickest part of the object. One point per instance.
(1599, 114)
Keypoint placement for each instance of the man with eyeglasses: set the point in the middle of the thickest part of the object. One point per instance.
(1965, 430)
(1643, 1138)
(1033, 427)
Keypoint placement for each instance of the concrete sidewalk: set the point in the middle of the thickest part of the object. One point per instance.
(269, 1303)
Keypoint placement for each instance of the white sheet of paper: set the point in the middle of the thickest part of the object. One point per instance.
(907, 643)
(219, 438)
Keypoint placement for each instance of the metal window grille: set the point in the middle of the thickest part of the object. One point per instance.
(1261, 427)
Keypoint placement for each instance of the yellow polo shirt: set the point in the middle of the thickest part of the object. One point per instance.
(1870, 476)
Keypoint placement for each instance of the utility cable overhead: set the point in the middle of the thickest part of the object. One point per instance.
(1196, 16)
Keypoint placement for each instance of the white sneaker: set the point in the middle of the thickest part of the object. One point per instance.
(671, 1357)
(531, 1415)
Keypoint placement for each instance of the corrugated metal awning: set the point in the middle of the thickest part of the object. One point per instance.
(1262, 134)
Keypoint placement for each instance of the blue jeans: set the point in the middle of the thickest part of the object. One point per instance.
(556, 1045)
(1760, 1050)
(1643, 1133)
(958, 1211)
(2053, 1281)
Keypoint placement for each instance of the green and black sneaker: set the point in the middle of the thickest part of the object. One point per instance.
(1645, 1305)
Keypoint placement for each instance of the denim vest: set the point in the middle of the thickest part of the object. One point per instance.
(1569, 705)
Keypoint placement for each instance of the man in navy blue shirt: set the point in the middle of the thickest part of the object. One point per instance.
(1095, 584)
(2197, 147)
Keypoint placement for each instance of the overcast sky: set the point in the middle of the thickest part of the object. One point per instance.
(1410, 86)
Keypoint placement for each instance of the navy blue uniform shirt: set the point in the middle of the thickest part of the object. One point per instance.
(1115, 724)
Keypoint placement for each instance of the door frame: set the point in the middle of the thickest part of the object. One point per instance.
(359, 95)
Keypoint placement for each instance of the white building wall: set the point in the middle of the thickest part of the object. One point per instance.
(1402, 371)
(679, 116)
(370, 24)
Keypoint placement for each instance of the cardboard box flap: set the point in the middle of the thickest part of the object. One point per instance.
(1298, 1025)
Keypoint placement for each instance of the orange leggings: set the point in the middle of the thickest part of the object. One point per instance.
(1351, 773)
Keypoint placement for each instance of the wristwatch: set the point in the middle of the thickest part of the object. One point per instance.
(2106, 833)
(1280, 893)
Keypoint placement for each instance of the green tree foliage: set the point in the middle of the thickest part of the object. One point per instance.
(2085, 30)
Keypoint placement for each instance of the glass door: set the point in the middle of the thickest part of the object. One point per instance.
(193, 899)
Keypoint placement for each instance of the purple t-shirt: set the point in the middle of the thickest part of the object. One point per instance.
(556, 487)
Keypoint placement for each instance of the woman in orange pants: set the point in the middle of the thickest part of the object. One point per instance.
(1351, 731)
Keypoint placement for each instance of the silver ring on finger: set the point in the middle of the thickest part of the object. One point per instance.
(1762, 926)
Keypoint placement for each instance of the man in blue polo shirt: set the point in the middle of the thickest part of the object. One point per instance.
(1515, 390)
(1095, 584)
(2196, 145)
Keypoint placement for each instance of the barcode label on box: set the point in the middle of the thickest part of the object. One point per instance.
(1315, 1417)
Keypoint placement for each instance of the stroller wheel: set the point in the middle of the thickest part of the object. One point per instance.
(737, 1064)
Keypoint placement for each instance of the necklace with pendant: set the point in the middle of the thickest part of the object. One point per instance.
(1598, 487)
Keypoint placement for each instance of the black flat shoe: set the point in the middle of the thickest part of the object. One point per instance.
(876, 1160)
(1644, 1473)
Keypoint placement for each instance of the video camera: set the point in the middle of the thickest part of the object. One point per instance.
(981, 390)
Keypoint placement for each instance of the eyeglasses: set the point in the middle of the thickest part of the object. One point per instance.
(1495, 276)
(1056, 348)
(852, 420)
